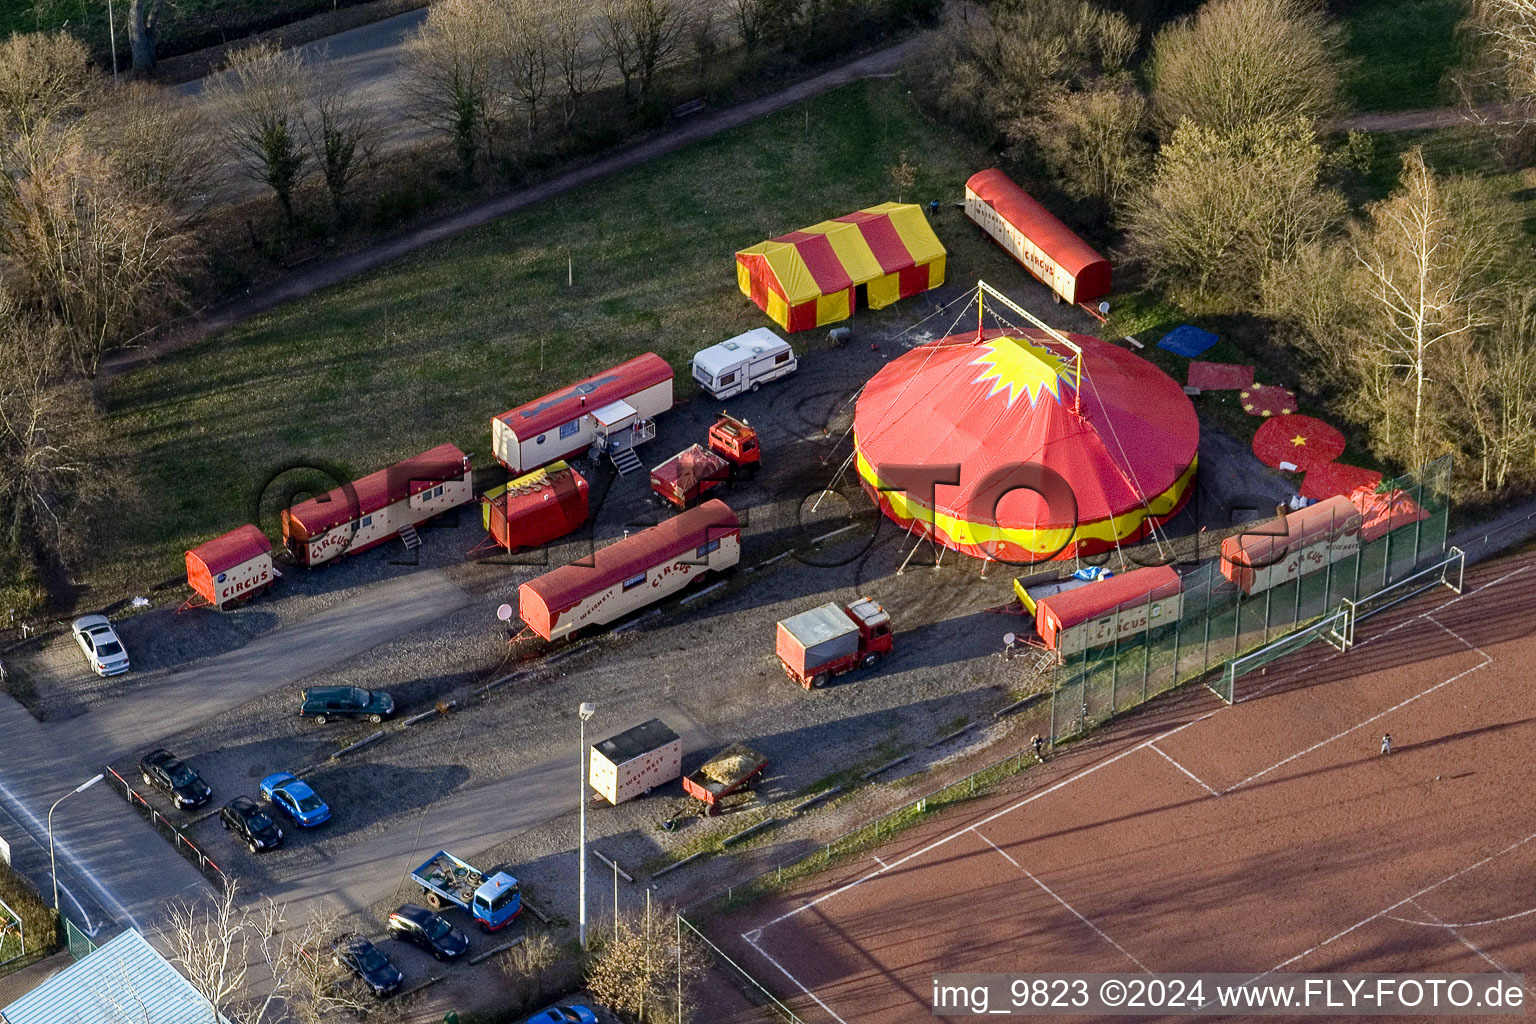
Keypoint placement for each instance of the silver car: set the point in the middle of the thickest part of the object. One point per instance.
(103, 650)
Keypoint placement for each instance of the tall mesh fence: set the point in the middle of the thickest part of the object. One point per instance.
(1219, 622)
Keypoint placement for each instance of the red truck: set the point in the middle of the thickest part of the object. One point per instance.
(818, 644)
(687, 477)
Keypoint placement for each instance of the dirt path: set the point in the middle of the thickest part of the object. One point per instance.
(1419, 120)
(325, 274)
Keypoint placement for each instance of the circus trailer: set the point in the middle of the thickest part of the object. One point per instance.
(635, 761)
(1277, 551)
(1046, 247)
(743, 363)
(379, 507)
(609, 412)
(232, 568)
(535, 508)
(821, 274)
(1109, 610)
(629, 574)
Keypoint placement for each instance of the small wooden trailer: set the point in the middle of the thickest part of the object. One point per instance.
(629, 574)
(736, 766)
(379, 507)
(1108, 610)
(536, 508)
(1277, 551)
(230, 569)
(635, 761)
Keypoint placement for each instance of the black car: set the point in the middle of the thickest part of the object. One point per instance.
(246, 819)
(432, 932)
(162, 769)
(323, 703)
(360, 956)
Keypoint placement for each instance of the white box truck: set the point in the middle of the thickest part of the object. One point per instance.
(745, 362)
(635, 761)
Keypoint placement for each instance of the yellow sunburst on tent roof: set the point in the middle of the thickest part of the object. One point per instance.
(1020, 368)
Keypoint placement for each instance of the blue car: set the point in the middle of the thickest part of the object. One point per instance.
(573, 1014)
(293, 795)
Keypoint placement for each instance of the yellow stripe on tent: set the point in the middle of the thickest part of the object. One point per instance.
(979, 535)
(831, 308)
(778, 310)
(883, 291)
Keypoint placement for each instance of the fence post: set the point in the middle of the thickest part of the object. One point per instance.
(1268, 601)
(1237, 622)
(1177, 620)
(1146, 650)
(1114, 669)
(1205, 649)
(1296, 612)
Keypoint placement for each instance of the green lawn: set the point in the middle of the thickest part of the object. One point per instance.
(427, 349)
(1401, 50)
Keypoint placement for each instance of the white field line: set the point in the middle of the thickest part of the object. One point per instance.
(876, 858)
(1386, 911)
(1437, 923)
(752, 938)
(1186, 771)
(1463, 939)
(1487, 660)
(1047, 890)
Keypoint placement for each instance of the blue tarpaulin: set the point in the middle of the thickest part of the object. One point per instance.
(1188, 341)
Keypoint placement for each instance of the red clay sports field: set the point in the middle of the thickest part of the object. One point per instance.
(1266, 836)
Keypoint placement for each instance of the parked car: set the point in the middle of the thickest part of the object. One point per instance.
(360, 956)
(245, 818)
(431, 931)
(573, 1014)
(298, 801)
(98, 640)
(174, 777)
(323, 703)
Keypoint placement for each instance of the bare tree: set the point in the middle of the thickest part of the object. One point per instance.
(1432, 257)
(1309, 294)
(576, 58)
(747, 18)
(1494, 383)
(162, 146)
(637, 970)
(641, 37)
(343, 134)
(1093, 140)
(260, 101)
(85, 250)
(1222, 206)
(1240, 61)
(528, 961)
(143, 33)
(903, 175)
(44, 77)
(528, 42)
(453, 76)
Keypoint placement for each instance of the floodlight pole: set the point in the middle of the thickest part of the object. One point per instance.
(52, 863)
(584, 712)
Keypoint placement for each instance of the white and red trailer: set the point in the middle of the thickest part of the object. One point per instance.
(1046, 247)
(635, 761)
(612, 411)
(1108, 610)
(230, 569)
(1280, 550)
(632, 573)
(357, 516)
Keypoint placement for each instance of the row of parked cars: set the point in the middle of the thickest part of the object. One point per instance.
(162, 770)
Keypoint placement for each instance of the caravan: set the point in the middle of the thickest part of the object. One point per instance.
(746, 361)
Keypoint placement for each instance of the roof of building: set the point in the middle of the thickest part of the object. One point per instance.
(631, 743)
(1084, 604)
(379, 490)
(125, 979)
(237, 546)
(558, 407)
(1040, 225)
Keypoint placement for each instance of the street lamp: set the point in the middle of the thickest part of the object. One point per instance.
(584, 712)
(52, 864)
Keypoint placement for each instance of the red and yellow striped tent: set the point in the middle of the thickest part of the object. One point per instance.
(820, 274)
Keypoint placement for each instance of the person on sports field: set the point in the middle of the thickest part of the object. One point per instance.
(1386, 743)
(1039, 745)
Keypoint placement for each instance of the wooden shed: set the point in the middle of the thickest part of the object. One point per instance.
(232, 568)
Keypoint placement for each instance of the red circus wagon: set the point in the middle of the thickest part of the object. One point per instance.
(1271, 553)
(629, 574)
(390, 503)
(230, 569)
(536, 508)
(1046, 247)
(1109, 610)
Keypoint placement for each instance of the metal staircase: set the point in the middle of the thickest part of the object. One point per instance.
(410, 538)
(625, 460)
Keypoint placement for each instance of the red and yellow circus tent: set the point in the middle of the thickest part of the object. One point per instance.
(1117, 439)
(813, 276)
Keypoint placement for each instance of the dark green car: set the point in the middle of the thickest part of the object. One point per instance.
(323, 703)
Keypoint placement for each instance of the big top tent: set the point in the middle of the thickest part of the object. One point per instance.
(814, 276)
(1045, 445)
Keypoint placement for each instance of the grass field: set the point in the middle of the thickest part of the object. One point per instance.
(1401, 50)
(427, 349)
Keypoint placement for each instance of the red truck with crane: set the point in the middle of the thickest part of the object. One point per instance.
(687, 477)
(832, 639)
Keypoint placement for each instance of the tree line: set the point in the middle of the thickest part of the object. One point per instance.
(1218, 167)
